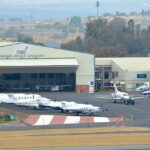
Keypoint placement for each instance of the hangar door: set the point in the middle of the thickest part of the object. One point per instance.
(37, 82)
(38, 75)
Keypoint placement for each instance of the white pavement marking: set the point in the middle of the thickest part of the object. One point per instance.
(72, 120)
(44, 120)
(100, 119)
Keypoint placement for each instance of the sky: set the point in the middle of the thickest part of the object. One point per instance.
(67, 8)
(37, 2)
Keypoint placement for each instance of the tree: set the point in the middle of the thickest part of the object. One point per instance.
(25, 39)
(111, 51)
(114, 38)
(75, 21)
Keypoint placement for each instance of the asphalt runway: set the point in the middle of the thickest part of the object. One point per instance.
(138, 113)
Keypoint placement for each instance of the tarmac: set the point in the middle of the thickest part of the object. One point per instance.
(138, 114)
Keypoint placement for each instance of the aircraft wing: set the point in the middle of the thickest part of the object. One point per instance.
(103, 97)
(139, 97)
(116, 98)
(111, 98)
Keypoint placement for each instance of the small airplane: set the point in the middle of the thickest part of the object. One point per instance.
(6, 98)
(144, 87)
(29, 100)
(119, 96)
(146, 93)
(87, 109)
(57, 105)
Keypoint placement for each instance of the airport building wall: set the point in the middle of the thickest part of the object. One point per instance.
(128, 72)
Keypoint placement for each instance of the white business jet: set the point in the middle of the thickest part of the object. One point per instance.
(144, 87)
(119, 96)
(6, 98)
(57, 105)
(29, 100)
(86, 109)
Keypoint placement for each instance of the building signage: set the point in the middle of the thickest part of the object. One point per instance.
(142, 76)
(91, 86)
(138, 76)
(22, 51)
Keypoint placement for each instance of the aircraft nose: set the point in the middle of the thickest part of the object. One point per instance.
(138, 89)
(127, 97)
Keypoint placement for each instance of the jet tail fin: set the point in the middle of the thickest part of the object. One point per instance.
(115, 87)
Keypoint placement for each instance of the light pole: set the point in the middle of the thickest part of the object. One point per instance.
(97, 6)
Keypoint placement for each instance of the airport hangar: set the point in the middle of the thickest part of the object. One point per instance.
(31, 67)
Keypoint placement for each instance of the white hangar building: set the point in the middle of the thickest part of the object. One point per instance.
(126, 71)
(31, 67)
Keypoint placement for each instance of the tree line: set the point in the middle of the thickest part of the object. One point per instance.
(112, 39)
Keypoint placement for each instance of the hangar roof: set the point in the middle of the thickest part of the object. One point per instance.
(23, 50)
(72, 62)
(6, 43)
(127, 63)
(133, 63)
(103, 61)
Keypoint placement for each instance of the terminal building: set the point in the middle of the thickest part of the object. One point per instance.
(27, 67)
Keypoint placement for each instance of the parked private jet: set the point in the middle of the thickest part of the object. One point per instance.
(146, 93)
(57, 105)
(119, 96)
(87, 109)
(6, 98)
(144, 87)
(29, 100)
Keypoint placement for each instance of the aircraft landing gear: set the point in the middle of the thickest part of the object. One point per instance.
(127, 102)
(132, 102)
(77, 114)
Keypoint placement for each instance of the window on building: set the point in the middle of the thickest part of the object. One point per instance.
(106, 75)
(117, 74)
(34, 75)
(98, 75)
(12, 76)
(114, 75)
(42, 75)
(50, 75)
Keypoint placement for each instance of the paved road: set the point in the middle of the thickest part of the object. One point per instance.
(134, 147)
(139, 113)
